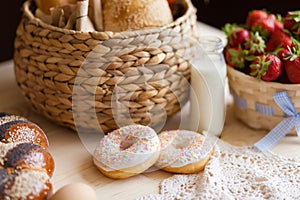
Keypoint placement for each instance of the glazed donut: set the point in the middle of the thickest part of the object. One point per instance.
(182, 152)
(26, 166)
(127, 151)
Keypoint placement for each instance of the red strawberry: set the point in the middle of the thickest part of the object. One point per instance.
(264, 26)
(172, 4)
(235, 57)
(238, 37)
(283, 78)
(288, 22)
(283, 53)
(292, 63)
(255, 15)
(279, 39)
(256, 45)
(292, 68)
(278, 25)
(292, 22)
(266, 67)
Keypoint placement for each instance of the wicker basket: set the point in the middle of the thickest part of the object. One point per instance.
(253, 100)
(47, 60)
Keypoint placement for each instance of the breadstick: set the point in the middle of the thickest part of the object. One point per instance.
(45, 5)
(83, 22)
(57, 16)
(95, 14)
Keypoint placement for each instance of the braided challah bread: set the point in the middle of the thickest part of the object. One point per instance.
(26, 166)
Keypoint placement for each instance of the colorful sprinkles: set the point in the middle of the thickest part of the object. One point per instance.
(180, 148)
(126, 147)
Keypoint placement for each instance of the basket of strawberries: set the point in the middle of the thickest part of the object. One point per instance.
(263, 58)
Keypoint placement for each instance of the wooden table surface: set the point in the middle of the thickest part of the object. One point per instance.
(74, 163)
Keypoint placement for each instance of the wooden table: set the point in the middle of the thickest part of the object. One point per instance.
(74, 163)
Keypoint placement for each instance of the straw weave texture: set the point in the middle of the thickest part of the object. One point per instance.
(256, 92)
(150, 67)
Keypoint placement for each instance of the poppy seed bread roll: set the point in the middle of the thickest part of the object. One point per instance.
(26, 165)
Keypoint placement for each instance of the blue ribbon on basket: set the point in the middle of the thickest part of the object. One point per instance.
(283, 100)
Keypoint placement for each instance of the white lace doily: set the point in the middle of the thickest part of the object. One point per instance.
(236, 173)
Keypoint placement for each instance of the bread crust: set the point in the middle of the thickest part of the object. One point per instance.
(122, 15)
(132, 171)
(17, 131)
(190, 168)
(26, 165)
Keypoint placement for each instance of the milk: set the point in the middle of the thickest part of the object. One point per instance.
(208, 75)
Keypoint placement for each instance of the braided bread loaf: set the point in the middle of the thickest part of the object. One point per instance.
(26, 166)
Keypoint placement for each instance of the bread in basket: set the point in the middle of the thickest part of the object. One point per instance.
(147, 68)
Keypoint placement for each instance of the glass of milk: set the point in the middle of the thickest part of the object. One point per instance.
(208, 76)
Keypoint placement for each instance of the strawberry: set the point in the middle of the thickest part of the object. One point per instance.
(266, 67)
(235, 57)
(238, 37)
(279, 39)
(288, 22)
(229, 28)
(282, 53)
(264, 26)
(292, 63)
(292, 68)
(278, 25)
(172, 5)
(255, 15)
(171, 1)
(256, 45)
(292, 22)
(283, 78)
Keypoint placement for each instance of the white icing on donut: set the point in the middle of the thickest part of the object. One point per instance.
(180, 148)
(126, 147)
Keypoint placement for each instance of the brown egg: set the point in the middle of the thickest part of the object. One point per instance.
(75, 191)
